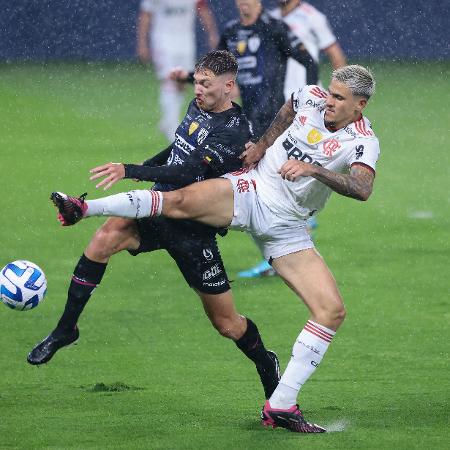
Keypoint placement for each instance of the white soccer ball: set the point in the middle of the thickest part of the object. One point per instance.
(22, 285)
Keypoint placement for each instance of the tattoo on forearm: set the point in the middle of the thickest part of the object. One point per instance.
(282, 120)
(357, 184)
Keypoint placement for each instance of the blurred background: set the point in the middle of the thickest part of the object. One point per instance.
(106, 29)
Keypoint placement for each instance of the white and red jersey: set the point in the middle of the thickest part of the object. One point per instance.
(307, 139)
(172, 30)
(312, 27)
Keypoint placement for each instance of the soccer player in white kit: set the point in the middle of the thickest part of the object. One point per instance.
(318, 143)
(166, 36)
(312, 27)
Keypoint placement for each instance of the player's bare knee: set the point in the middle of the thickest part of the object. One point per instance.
(226, 328)
(174, 204)
(330, 313)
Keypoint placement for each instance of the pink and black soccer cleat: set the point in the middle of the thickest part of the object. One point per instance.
(70, 209)
(291, 418)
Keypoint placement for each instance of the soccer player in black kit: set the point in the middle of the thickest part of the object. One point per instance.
(207, 144)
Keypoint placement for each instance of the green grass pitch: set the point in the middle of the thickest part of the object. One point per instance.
(149, 371)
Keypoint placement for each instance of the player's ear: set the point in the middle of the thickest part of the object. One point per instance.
(229, 86)
(361, 104)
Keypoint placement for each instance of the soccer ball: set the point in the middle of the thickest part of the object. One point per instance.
(22, 285)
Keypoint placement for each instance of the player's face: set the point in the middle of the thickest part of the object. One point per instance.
(247, 7)
(211, 91)
(341, 106)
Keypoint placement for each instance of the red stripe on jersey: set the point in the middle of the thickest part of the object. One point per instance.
(318, 332)
(358, 127)
(318, 92)
(361, 127)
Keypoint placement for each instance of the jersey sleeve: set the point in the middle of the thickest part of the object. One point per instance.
(148, 6)
(322, 30)
(366, 152)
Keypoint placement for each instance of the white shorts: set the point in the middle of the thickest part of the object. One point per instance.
(274, 236)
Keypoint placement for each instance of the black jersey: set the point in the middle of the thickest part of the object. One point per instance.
(207, 145)
(212, 141)
(262, 51)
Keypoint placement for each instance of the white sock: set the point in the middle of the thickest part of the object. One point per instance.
(132, 204)
(307, 353)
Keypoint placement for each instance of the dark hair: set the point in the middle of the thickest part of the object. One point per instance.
(218, 62)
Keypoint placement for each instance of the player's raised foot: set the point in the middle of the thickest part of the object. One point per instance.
(70, 209)
(262, 269)
(291, 418)
(44, 351)
(270, 374)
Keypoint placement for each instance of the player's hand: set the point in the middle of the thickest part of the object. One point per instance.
(292, 169)
(113, 172)
(252, 154)
(178, 74)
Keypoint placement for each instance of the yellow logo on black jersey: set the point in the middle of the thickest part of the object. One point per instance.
(192, 127)
(241, 47)
(314, 136)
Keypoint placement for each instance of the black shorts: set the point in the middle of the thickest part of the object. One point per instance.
(192, 246)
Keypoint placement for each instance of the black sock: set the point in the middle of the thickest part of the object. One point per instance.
(86, 276)
(252, 346)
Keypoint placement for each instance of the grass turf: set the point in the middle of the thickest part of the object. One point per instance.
(149, 371)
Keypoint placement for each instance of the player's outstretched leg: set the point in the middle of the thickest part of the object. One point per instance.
(291, 418)
(132, 205)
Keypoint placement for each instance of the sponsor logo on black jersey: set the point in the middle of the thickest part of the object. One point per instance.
(183, 145)
(201, 136)
(253, 43)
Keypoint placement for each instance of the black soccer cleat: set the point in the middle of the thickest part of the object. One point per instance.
(291, 419)
(270, 374)
(44, 351)
(70, 209)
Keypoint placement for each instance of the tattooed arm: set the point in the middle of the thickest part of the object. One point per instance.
(357, 184)
(254, 152)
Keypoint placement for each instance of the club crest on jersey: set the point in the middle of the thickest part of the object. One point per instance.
(314, 136)
(241, 46)
(330, 146)
(202, 135)
(253, 43)
(192, 127)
